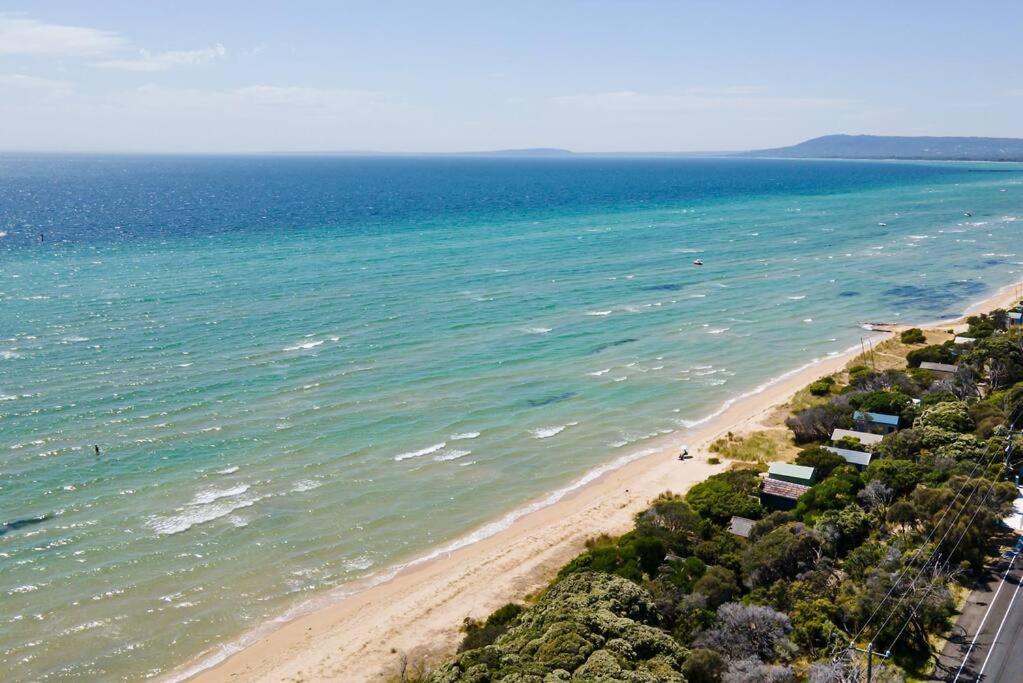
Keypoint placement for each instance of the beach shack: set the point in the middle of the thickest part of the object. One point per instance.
(1015, 318)
(881, 421)
(963, 340)
(938, 368)
(740, 526)
(866, 438)
(796, 474)
(859, 459)
(776, 494)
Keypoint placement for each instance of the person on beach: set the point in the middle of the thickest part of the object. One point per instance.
(95, 447)
(684, 454)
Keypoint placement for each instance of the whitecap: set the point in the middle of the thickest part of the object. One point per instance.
(539, 330)
(416, 454)
(197, 514)
(718, 330)
(75, 340)
(453, 454)
(307, 345)
(548, 432)
(305, 485)
(598, 373)
(598, 312)
(210, 495)
(464, 435)
(796, 298)
(228, 470)
(807, 320)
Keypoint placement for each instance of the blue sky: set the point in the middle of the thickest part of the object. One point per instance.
(443, 76)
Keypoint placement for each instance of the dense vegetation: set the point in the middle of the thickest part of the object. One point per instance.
(874, 555)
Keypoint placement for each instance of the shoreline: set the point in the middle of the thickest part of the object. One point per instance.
(356, 631)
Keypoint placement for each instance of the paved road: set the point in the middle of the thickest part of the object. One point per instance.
(987, 641)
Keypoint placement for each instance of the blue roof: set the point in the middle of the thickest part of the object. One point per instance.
(877, 418)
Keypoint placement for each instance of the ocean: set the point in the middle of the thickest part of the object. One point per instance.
(305, 371)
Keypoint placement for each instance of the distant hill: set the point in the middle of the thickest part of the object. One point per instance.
(531, 152)
(892, 147)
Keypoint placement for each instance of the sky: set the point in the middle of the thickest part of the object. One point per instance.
(596, 76)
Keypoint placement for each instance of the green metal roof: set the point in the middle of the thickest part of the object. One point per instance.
(794, 471)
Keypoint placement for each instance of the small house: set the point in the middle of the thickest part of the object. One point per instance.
(866, 438)
(781, 495)
(1015, 318)
(796, 474)
(963, 340)
(886, 423)
(938, 368)
(740, 526)
(857, 458)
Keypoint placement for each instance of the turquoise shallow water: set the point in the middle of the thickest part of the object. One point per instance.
(306, 371)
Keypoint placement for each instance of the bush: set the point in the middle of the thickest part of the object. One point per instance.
(913, 335)
(822, 387)
(883, 401)
(744, 631)
(952, 416)
(481, 634)
(936, 353)
(817, 424)
(713, 461)
(719, 586)
(703, 666)
(726, 494)
(821, 459)
(898, 475)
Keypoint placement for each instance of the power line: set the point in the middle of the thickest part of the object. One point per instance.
(966, 528)
(919, 550)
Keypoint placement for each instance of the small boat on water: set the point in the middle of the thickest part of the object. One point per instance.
(697, 262)
(883, 225)
(967, 214)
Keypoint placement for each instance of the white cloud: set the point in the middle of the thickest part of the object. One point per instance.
(162, 61)
(25, 85)
(21, 36)
(728, 98)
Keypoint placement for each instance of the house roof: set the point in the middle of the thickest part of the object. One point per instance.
(740, 526)
(852, 457)
(865, 438)
(964, 340)
(877, 418)
(1015, 315)
(783, 489)
(938, 367)
(784, 469)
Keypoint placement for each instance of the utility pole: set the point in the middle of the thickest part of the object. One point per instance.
(870, 658)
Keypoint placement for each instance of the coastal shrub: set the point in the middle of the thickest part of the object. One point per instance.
(936, 353)
(952, 416)
(999, 357)
(703, 666)
(834, 493)
(782, 553)
(753, 670)
(817, 423)
(904, 444)
(713, 461)
(913, 335)
(718, 584)
(821, 459)
(883, 401)
(479, 634)
(822, 387)
(898, 475)
(745, 631)
(721, 496)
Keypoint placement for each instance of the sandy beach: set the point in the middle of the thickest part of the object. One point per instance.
(419, 610)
